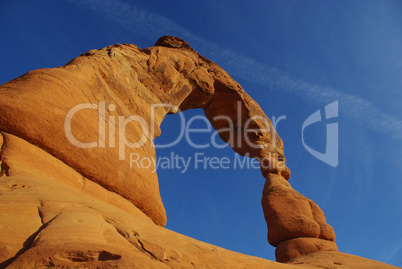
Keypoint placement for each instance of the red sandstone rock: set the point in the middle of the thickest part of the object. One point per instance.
(301, 246)
(34, 107)
(290, 215)
(65, 206)
(294, 219)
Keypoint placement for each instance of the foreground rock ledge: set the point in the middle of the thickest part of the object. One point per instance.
(67, 206)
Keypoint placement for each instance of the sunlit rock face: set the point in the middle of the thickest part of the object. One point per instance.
(296, 225)
(70, 196)
(80, 113)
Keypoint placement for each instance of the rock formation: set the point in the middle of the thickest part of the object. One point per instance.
(69, 196)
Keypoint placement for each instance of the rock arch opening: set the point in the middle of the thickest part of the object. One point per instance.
(216, 198)
(131, 81)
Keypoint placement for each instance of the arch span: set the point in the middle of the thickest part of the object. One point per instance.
(126, 93)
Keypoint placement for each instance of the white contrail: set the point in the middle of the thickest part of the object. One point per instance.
(153, 26)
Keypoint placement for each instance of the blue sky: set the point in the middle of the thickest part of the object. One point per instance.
(293, 58)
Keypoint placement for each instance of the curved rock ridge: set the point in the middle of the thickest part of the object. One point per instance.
(78, 125)
(124, 81)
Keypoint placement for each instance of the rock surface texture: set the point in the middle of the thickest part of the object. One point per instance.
(69, 197)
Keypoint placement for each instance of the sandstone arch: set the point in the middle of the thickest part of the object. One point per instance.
(33, 107)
